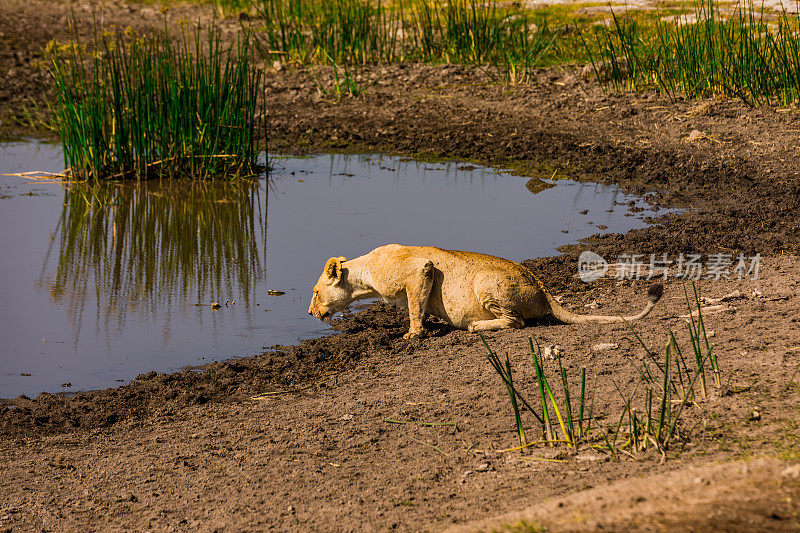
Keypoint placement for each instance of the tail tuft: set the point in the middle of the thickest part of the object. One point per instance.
(655, 292)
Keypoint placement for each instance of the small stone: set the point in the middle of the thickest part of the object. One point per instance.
(791, 471)
(605, 346)
(735, 295)
(552, 352)
(483, 467)
(696, 135)
(756, 416)
(347, 417)
(277, 65)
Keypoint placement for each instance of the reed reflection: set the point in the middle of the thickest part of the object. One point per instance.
(153, 249)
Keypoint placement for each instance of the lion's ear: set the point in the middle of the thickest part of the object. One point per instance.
(342, 259)
(333, 269)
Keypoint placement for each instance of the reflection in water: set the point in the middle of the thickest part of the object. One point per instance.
(147, 249)
(537, 185)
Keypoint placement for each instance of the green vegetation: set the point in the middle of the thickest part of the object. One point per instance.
(233, 7)
(689, 49)
(651, 413)
(143, 107)
(748, 54)
(357, 32)
(340, 31)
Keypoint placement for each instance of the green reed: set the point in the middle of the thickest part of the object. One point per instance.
(550, 405)
(650, 415)
(482, 32)
(227, 8)
(466, 31)
(342, 32)
(129, 106)
(746, 53)
(144, 247)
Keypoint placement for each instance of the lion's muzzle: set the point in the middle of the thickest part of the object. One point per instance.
(320, 313)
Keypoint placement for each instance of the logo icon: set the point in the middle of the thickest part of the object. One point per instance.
(591, 266)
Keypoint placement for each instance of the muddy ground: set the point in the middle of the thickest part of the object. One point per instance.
(195, 450)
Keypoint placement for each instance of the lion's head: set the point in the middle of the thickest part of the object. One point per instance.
(331, 294)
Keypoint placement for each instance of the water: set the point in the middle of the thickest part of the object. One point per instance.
(99, 284)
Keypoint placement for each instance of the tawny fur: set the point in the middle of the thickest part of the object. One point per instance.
(468, 290)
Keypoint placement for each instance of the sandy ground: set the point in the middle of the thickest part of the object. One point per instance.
(196, 451)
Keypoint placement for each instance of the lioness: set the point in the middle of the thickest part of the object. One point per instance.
(468, 290)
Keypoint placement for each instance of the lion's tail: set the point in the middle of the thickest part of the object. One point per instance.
(654, 293)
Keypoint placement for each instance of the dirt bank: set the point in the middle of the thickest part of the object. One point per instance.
(191, 449)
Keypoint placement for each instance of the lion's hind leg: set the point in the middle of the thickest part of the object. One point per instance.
(506, 318)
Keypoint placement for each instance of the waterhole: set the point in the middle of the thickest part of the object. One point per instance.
(99, 283)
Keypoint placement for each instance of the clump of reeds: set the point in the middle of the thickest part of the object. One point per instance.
(353, 32)
(651, 413)
(229, 8)
(129, 106)
(479, 32)
(573, 426)
(339, 31)
(746, 54)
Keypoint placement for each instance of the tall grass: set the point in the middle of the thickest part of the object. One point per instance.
(747, 54)
(227, 8)
(141, 107)
(341, 32)
(480, 32)
(573, 428)
(650, 415)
